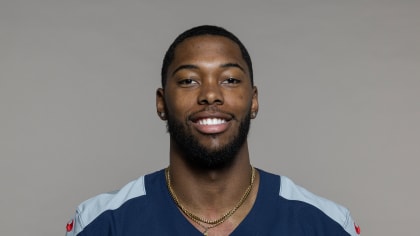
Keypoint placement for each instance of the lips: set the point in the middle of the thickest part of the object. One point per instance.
(211, 123)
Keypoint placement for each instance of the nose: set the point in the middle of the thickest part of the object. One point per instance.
(210, 93)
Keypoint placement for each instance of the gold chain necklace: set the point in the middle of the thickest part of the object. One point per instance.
(202, 221)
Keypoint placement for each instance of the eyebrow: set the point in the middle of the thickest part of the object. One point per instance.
(182, 67)
(190, 66)
(236, 65)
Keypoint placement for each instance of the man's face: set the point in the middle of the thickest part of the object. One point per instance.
(208, 100)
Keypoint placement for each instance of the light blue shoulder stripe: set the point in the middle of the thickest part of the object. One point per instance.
(338, 213)
(89, 210)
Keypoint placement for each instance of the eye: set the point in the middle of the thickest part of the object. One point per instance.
(187, 82)
(231, 80)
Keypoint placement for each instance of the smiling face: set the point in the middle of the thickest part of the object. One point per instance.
(208, 100)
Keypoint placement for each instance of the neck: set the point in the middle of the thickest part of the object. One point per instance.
(212, 192)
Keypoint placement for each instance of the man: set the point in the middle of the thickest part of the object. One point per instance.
(208, 98)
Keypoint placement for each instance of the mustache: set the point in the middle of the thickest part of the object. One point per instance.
(212, 109)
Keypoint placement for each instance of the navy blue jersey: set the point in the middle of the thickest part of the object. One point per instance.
(144, 207)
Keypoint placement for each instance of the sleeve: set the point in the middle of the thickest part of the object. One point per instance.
(74, 226)
(351, 227)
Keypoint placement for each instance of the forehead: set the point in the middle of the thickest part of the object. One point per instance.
(208, 47)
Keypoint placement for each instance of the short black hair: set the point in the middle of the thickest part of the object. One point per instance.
(198, 31)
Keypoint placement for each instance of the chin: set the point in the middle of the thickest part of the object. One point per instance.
(200, 155)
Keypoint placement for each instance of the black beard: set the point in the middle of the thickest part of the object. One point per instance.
(200, 156)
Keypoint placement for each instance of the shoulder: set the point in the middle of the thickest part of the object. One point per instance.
(92, 208)
(299, 196)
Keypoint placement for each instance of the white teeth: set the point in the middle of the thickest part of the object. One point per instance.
(211, 121)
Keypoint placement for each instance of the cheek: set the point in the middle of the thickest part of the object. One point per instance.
(179, 106)
(240, 101)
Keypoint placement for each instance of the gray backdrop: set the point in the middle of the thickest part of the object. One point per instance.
(338, 82)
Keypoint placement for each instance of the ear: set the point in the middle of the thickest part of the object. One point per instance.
(254, 103)
(160, 103)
